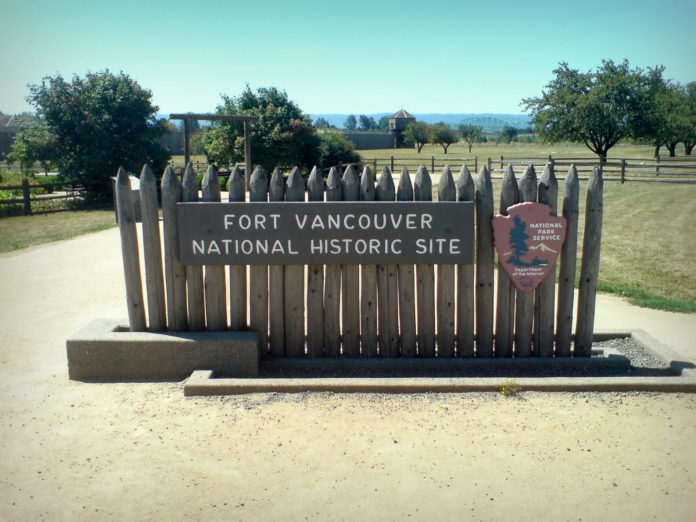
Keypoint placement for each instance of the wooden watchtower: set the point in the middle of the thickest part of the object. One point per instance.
(397, 125)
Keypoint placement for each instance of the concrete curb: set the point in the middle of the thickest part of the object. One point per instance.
(203, 382)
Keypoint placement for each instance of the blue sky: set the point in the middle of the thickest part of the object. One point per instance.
(339, 56)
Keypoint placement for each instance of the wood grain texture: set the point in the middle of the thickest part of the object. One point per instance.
(368, 281)
(276, 280)
(484, 264)
(351, 278)
(447, 191)
(295, 282)
(544, 305)
(589, 268)
(466, 279)
(258, 275)
(505, 316)
(174, 272)
(524, 313)
(332, 281)
(152, 252)
(236, 186)
(568, 264)
(125, 210)
(425, 278)
(387, 282)
(407, 285)
(315, 280)
(214, 283)
(194, 274)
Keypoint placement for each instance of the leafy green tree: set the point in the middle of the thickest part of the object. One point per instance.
(443, 135)
(351, 123)
(336, 149)
(470, 133)
(34, 143)
(283, 134)
(383, 124)
(322, 123)
(597, 108)
(367, 123)
(97, 124)
(417, 133)
(508, 134)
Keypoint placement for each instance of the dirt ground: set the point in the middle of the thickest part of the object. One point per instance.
(142, 451)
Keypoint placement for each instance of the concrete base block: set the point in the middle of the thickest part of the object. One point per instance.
(105, 351)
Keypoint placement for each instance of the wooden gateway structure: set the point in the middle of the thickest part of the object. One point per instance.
(366, 310)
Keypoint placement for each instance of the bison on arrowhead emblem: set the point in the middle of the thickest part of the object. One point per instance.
(528, 241)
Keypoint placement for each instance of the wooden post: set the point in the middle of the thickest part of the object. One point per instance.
(475, 166)
(657, 170)
(26, 197)
(187, 142)
(391, 163)
(505, 318)
(432, 163)
(524, 315)
(258, 274)
(545, 295)
(351, 277)
(174, 272)
(276, 280)
(368, 294)
(490, 166)
(466, 281)
(295, 282)
(129, 248)
(425, 278)
(152, 252)
(332, 282)
(374, 164)
(623, 171)
(236, 185)
(194, 274)
(568, 261)
(214, 278)
(484, 264)
(501, 162)
(315, 281)
(407, 294)
(387, 282)
(447, 191)
(247, 154)
(589, 269)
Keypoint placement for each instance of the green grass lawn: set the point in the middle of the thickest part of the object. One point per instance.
(24, 231)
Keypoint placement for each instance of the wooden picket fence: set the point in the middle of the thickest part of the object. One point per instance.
(366, 310)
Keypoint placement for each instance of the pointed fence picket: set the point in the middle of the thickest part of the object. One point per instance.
(367, 310)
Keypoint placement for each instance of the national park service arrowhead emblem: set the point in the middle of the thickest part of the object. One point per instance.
(528, 241)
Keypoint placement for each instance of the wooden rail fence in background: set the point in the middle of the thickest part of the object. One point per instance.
(366, 310)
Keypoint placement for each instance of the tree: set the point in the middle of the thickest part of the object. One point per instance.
(322, 123)
(336, 149)
(470, 133)
(351, 123)
(383, 124)
(97, 124)
(597, 108)
(417, 133)
(367, 123)
(283, 134)
(508, 134)
(34, 143)
(444, 135)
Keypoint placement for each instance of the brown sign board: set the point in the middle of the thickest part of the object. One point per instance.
(528, 241)
(349, 232)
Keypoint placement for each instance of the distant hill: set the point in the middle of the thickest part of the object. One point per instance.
(489, 122)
